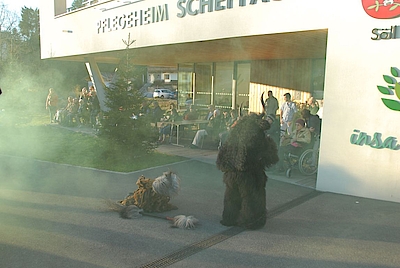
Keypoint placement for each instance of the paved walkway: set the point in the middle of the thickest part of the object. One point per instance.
(207, 156)
(55, 215)
(210, 156)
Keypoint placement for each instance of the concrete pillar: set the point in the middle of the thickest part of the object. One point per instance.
(234, 85)
(97, 80)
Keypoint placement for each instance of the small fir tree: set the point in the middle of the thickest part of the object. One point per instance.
(121, 123)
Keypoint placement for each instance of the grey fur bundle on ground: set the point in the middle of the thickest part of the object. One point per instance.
(153, 195)
(132, 211)
(168, 184)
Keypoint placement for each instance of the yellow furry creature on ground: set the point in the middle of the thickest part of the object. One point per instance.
(153, 195)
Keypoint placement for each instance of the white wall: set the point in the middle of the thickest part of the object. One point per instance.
(262, 18)
(355, 66)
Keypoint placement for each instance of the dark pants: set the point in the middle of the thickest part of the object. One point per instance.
(52, 111)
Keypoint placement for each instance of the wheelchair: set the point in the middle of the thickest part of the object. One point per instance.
(306, 162)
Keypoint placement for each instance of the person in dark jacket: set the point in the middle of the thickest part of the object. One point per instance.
(313, 123)
(157, 113)
(275, 130)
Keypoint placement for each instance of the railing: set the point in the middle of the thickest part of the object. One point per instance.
(88, 3)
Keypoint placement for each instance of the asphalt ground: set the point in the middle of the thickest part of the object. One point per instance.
(55, 215)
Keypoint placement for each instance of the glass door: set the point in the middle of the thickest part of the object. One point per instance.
(204, 84)
(223, 85)
(185, 85)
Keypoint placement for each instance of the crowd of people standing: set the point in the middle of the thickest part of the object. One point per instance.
(294, 126)
(78, 111)
(300, 126)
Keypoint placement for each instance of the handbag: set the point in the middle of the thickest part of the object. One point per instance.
(295, 144)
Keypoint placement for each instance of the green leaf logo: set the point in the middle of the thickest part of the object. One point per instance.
(392, 104)
(384, 90)
(389, 79)
(397, 90)
(395, 72)
(388, 90)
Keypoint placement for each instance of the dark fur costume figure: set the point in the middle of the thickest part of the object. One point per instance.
(243, 158)
(153, 195)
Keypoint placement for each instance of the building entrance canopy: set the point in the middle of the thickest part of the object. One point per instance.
(296, 45)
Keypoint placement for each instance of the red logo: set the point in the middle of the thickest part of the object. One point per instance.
(382, 9)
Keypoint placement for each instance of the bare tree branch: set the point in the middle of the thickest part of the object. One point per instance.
(8, 19)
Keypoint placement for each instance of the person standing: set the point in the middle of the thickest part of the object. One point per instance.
(51, 104)
(274, 130)
(321, 109)
(157, 113)
(144, 108)
(287, 111)
(171, 115)
(313, 123)
(243, 159)
(83, 110)
(94, 107)
(229, 124)
(312, 105)
(271, 104)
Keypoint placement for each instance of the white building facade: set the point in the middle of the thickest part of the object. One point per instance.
(230, 51)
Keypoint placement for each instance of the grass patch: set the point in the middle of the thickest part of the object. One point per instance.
(32, 138)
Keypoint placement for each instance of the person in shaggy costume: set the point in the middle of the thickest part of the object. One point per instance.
(153, 195)
(243, 158)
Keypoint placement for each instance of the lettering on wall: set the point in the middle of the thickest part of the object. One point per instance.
(386, 34)
(133, 19)
(376, 141)
(196, 7)
(160, 13)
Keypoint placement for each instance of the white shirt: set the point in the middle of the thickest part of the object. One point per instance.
(288, 110)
